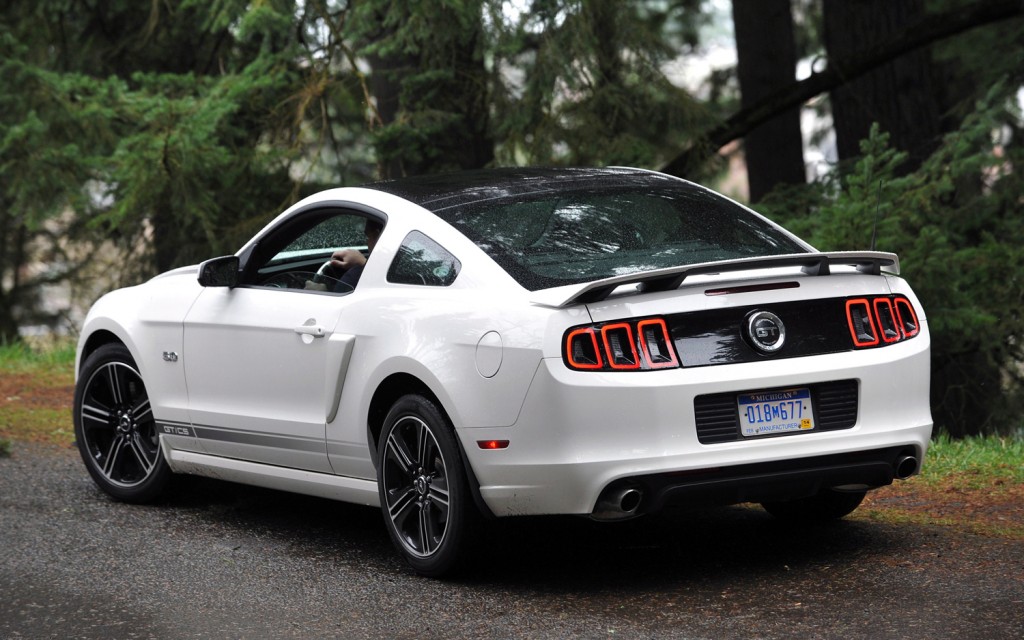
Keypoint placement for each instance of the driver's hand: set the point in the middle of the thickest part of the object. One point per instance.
(347, 258)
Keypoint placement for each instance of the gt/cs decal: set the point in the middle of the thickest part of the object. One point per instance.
(175, 430)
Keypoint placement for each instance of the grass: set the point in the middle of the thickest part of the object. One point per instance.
(25, 357)
(976, 461)
(36, 383)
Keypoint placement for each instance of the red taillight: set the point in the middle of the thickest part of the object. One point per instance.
(907, 317)
(582, 350)
(886, 317)
(861, 322)
(623, 346)
(619, 346)
(656, 344)
(881, 320)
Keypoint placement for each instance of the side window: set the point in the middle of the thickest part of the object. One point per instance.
(297, 255)
(339, 231)
(422, 261)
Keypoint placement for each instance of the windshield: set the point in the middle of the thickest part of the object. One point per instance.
(561, 237)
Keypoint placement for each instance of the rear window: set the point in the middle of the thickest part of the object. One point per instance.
(565, 237)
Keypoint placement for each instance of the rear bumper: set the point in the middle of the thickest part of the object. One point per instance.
(766, 481)
(580, 435)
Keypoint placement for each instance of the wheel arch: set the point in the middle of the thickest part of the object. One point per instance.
(102, 332)
(387, 393)
(96, 340)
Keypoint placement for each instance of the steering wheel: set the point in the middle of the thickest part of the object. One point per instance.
(329, 276)
(286, 280)
(328, 273)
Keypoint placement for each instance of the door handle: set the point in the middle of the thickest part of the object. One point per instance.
(314, 330)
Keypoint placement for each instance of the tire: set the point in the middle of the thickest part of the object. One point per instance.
(115, 429)
(823, 507)
(424, 496)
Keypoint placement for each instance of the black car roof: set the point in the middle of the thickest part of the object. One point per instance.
(438, 192)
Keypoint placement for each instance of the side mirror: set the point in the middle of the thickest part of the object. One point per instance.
(220, 272)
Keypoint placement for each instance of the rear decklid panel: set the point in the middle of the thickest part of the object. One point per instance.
(708, 317)
(708, 307)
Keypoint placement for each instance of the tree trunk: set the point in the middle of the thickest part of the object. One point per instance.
(12, 258)
(440, 124)
(386, 86)
(898, 95)
(168, 237)
(767, 60)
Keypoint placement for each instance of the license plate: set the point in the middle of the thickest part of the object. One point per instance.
(769, 412)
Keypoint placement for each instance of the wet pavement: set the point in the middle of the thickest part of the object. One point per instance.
(217, 560)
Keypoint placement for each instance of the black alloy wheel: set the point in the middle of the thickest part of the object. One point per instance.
(115, 429)
(423, 491)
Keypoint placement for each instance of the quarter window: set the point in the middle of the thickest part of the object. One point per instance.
(422, 261)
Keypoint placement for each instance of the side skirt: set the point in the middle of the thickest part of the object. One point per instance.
(310, 483)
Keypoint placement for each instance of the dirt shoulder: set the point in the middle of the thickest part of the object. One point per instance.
(37, 408)
(996, 510)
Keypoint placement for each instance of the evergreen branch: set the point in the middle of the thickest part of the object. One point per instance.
(374, 118)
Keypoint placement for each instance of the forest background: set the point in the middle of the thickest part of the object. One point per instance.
(137, 136)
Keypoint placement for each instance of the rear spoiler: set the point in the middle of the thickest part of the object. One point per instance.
(813, 264)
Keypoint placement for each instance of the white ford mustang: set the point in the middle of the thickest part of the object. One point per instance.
(601, 342)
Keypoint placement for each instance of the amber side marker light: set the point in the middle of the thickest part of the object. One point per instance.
(492, 444)
(881, 320)
(624, 345)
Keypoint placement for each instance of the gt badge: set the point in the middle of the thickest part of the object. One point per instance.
(766, 331)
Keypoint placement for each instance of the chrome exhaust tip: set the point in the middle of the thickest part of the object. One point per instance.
(905, 467)
(618, 504)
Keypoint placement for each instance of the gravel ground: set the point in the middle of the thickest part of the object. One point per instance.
(218, 560)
